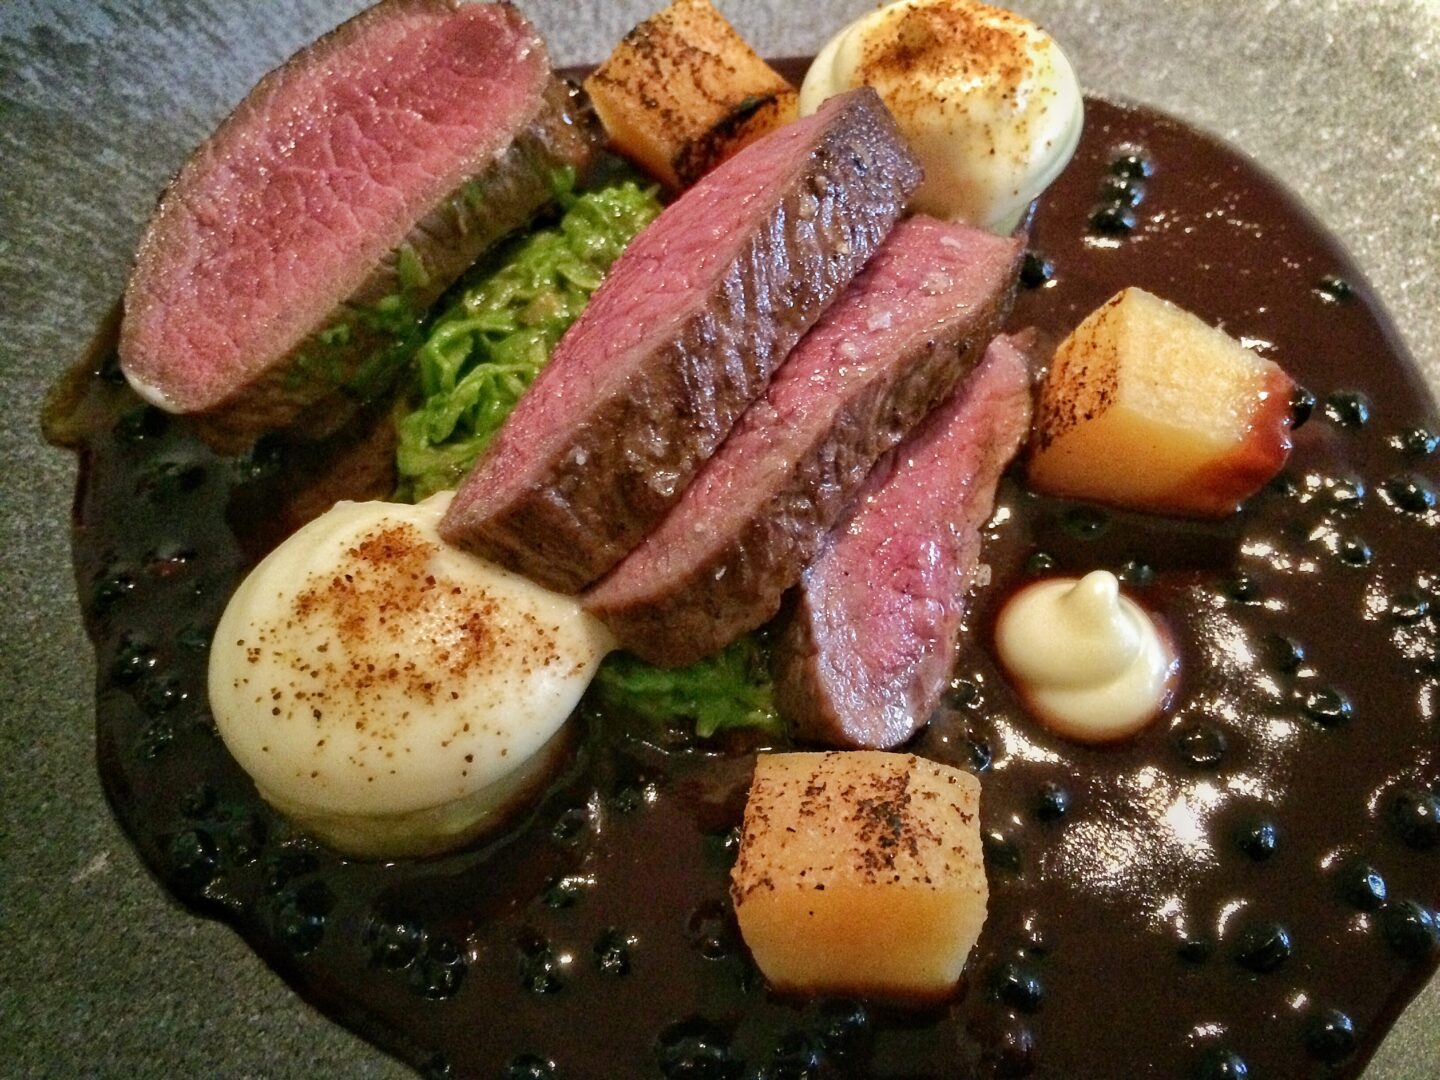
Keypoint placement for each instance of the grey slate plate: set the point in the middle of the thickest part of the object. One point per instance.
(100, 101)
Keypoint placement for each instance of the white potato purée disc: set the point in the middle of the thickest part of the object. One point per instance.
(986, 99)
(393, 694)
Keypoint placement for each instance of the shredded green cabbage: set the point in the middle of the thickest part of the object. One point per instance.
(731, 689)
(393, 325)
(486, 348)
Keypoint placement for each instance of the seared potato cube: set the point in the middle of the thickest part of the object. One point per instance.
(860, 872)
(1146, 406)
(683, 91)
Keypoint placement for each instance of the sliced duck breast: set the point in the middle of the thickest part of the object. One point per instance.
(351, 186)
(870, 647)
(891, 348)
(681, 337)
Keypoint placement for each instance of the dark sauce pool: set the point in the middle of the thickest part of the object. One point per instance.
(1253, 879)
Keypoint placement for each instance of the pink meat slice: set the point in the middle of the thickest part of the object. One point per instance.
(326, 168)
(873, 639)
(682, 336)
(915, 320)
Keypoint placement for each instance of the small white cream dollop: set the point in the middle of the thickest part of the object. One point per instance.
(1092, 663)
(986, 99)
(391, 694)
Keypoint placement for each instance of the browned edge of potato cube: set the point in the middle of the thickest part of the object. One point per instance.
(683, 91)
(1148, 407)
(860, 872)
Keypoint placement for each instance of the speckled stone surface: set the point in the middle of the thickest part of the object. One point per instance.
(99, 973)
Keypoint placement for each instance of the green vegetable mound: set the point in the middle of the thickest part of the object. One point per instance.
(731, 689)
(486, 348)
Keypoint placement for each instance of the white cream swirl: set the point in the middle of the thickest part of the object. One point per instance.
(1091, 663)
(986, 99)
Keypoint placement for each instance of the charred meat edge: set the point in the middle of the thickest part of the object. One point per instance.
(582, 510)
(460, 228)
(739, 585)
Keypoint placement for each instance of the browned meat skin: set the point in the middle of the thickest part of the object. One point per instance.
(682, 337)
(348, 163)
(446, 242)
(867, 653)
(891, 348)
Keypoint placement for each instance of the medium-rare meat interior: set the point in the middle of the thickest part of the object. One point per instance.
(683, 335)
(338, 201)
(877, 618)
(894, 345)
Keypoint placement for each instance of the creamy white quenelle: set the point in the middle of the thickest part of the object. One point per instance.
(392, 695)
(985, 98)
(1091, 663)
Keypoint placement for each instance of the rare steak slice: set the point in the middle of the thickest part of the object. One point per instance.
(347, 191)
(682, 336)
(877, 618)
(892, 348)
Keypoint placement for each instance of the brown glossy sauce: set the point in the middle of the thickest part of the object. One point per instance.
(1133, 934)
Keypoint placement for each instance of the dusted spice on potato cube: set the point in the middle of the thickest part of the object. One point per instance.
(860, 872)
(1148, 407)
(684, 91)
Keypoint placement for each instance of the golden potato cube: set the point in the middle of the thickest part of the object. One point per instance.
(1148, 407)
(860, 872)
(683, 91)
